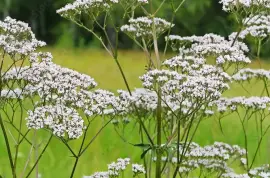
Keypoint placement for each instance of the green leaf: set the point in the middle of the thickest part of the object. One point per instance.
(144, 153)
(142, 145)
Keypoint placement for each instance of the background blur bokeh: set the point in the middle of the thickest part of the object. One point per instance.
(195, 17)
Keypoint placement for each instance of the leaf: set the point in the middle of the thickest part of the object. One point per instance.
(144, 153)
(142, 145)
(220, 126)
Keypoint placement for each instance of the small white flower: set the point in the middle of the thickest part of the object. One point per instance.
(142, 27)
(138, 169)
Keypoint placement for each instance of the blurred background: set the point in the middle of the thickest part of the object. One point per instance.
(195, 17)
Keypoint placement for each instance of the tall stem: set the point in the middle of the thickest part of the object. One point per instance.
(178, 145)
(159, 109)
(159, 131)
(79, 154)
(259, 48)
(8, 147)
(74, 166)
(41, 154)
(36, 151)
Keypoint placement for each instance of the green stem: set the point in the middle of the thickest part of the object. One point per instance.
(8, 147)
(159, 109)
(159, 136)
(74, 167)
(259, 48)
(178, 145)
(79, 154)
(41, 154)
(18, 140)
(246, 144)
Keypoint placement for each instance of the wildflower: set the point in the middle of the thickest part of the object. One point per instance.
(212, 45)
(142, 27)
(16, 37)
(230, 5)
(90, 7)
(138, 169)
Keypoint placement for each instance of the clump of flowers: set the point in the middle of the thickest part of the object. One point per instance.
(225, 51)
(256, 103)
(16, 37)
(248, 74)
(60, 93)
(59, 118)
(91, 7)
(235, 5)
(260, 172)
(142, 27)
(211, 160)
(256, 26)
(138, 169)
(64, 93)
(116, 169)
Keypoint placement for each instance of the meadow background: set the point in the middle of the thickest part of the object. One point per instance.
(74, 48)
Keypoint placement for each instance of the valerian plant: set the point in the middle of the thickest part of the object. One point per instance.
(116, 169)
(181, 92)
(38, 94)
(177, 94)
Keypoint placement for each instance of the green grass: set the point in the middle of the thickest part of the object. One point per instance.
(57, 161)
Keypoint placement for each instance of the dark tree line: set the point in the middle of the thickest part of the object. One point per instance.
(195, 17)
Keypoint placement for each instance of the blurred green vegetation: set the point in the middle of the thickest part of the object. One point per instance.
(195, 17)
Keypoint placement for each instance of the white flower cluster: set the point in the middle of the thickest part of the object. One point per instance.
(16, 37)
(211, 157)
(44, 77)
(180, 93)
(6, 94)
(230, 5)
(204, 83)
(212, 45)
(55, 90)
(116, 168)
(257, 26)
(248, 74)
(234, 175)
(143, 1)
(98, 102)
(260, 172)
(208, 38)
(138, 169)
(58, 118)
(92, 7)
(145, 100)
(63, 90)
(154, 77)
(231, 104)
(98, 175)
(184, 64)
(143, 27)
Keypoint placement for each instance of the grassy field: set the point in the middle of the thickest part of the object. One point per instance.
(57, 161)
